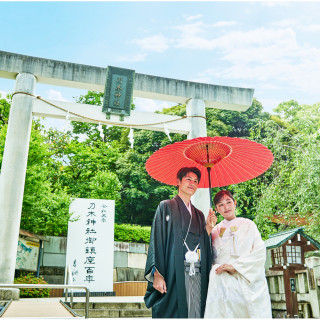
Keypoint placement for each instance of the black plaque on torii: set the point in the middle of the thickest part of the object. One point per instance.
(118, 92)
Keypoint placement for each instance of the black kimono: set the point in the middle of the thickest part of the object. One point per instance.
(166, 254)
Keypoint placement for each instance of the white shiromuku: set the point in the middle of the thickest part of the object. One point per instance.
(245, 293)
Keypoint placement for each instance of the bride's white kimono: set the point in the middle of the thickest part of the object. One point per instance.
(245, 293)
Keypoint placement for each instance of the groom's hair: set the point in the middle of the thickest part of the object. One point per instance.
(185, 170)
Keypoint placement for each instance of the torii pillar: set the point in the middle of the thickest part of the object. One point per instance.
(13, 172)
(198, 126)
(28, 70)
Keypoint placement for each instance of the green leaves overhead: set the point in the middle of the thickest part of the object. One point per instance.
(4, 109)
(86, 162)
(45, 207)
(292, 189)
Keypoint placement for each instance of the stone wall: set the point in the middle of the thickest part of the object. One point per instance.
(53, 260)
(129, 261)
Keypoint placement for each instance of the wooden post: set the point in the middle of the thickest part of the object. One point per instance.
(287, 290)
(294, 297)
(290, 292)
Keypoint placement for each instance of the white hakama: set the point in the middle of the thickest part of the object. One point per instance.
(245, 293)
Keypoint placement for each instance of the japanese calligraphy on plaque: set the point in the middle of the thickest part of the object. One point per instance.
(118, 92)
(90, 244)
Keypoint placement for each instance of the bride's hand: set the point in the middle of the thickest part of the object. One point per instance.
(226, 268)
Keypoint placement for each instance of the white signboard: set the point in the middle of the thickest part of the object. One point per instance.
(90, 244)
(27, 255)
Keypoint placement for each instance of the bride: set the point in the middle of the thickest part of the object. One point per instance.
(237, 284)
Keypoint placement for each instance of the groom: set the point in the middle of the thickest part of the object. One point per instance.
(180, 255)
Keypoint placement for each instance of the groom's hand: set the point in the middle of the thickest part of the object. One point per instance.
(211, 221)
(159, 283)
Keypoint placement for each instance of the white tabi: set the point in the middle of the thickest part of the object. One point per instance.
(245, 293)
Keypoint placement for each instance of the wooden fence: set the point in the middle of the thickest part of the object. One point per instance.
(130, 288)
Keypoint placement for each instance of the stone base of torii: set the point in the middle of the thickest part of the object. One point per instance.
(27, 71)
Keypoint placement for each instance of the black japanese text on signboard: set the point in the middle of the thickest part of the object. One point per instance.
(118, 92)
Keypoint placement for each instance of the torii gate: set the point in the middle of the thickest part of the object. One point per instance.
(27, 71)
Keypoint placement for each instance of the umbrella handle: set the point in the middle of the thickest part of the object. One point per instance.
(209, 176)
(210, 193)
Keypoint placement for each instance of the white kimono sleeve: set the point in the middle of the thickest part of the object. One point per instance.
(251, 261)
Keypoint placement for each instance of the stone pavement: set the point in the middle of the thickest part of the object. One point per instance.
(99, 307)
(92, 299)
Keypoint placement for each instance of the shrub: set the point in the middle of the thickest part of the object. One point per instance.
(131, 233)
(32, 293)
(312, 254)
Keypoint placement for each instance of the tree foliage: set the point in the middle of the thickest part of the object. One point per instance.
(45, 205)
(131, 233)
(4, 109)
(293, 189)
(89, 161)
(139, 193)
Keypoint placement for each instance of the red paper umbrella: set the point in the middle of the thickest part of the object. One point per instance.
(227, 160)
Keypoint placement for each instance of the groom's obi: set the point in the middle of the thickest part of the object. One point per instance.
(191, 243)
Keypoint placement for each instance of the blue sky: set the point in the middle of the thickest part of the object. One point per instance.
(273, 47)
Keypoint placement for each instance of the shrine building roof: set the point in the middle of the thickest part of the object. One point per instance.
(278, 239)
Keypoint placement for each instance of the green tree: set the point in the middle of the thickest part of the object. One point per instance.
(85, 162)
(45, 207)
(140, 194)
(4, 109)
(292, 190)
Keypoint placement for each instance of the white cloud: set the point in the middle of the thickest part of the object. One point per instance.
(201, 78)
(56, 95)
(298, 25)
(284, 23)
(273, 58)
(194, 36)
(270, 54)
(58, 124)
(270, 86)
(221, 24)
(191, 28)
(269, 103)
(190, 37)
(157, 43)
(3, 94)
(257, 38)
(189, 18)
(274, 3)
(133, 58)
(148, 105)
(311, 27)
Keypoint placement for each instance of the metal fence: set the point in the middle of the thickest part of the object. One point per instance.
(52, 286)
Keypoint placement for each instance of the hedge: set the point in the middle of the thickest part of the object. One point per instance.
(131, 233)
